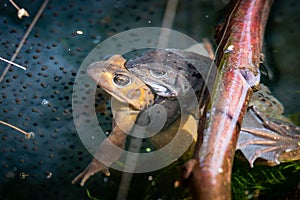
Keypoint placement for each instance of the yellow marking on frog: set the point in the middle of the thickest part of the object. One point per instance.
(190, 126)
(113, 77)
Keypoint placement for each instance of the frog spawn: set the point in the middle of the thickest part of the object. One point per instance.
(53, 53)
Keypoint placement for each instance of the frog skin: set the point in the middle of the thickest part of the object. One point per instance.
(265, 132)
(139, 97)
(119, 83)
(268, 104)
(170, 73)
(129, 97)
(174, 74)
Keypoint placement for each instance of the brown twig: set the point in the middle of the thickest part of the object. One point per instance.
(28, 135)
(167, 23)
(238, 62)
(37, 16)
(21, 11)
(163, 40)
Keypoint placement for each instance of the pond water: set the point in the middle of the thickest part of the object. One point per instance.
(40, 98)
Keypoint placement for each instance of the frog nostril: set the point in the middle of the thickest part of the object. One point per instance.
(134, 94)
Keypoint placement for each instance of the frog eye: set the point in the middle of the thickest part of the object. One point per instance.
(157, 73)
(121, 80)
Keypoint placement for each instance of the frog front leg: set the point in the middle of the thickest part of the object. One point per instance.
(105, 152)
(112, 147)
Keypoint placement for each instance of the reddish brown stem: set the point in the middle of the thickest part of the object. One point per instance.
(238, 59)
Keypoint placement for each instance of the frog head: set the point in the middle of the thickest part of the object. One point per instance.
(166, 72)
(115, 79)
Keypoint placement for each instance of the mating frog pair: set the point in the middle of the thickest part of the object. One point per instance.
(174, 79)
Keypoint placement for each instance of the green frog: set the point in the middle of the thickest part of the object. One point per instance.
(163, 76)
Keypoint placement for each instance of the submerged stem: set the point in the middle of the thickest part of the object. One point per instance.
(28, 135)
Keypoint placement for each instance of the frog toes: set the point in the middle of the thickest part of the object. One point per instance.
(94, 167)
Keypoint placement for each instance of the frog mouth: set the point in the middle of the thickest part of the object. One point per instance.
(162, 90)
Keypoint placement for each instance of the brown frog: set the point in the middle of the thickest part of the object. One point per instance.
(112, 76)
